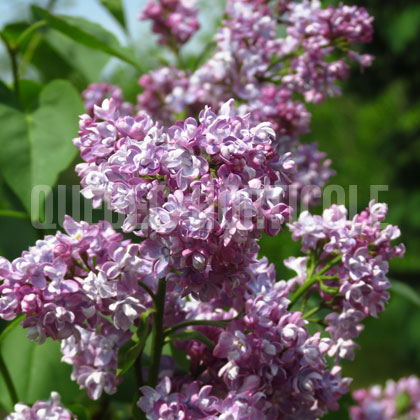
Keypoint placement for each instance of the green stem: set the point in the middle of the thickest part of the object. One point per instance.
(313, 278)
(28, 31)
(8, 381)
(13, 59)
(302, 289)
(157, 334)
(311, 312)
(185, 324)
(138, 371)
(326, 267)
(149, 291)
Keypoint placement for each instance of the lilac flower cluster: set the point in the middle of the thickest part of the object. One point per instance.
(67, 285)
(267, 74)
(97, 92)
(175, 21)
(352, 257)
(94, 357)
(42, 410)
(399, 399)
(312, 173)
(265, 365)
(201, 192)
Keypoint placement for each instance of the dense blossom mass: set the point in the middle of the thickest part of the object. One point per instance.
(201, 193)
(397, 400)
(267, 75)
(207, 162)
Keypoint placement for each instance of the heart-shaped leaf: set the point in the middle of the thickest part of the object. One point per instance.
(37, 146)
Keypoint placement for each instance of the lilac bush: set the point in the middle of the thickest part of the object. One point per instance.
(203, 165)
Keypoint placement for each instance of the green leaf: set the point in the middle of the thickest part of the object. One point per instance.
(190, 335)
(403, 403)
(7, 96)
(81, 412)
(116, 8)
(37, 146)
(405, 291)
(29, 94)
(404, 28)
(83, 61)
(87, 33)
(10, 327)
(36, 370)
(180, 358)
(72, 61)
(13, 30)
(131, 350)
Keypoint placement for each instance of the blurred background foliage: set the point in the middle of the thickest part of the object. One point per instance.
(371, 133)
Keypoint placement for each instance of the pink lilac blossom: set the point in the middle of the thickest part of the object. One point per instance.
(201, 192)
(67, 284)
(42, 410)
(94, 357)
(175, 21)
(357, 285)
(267, 74)
(400, 399)
(97, 92)
(265, 365)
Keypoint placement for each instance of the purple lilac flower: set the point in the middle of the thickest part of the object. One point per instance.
(94, 356)
(271, 73)
(97, 92)
(264, 365)
(357, 284)
(42, 410)
(67, 284)
(398, 399)
(201, 191)
(175, 21)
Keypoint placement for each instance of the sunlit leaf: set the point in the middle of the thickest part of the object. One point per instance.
(87, 33)
(37, 146)
(116, 8)
(36, 370)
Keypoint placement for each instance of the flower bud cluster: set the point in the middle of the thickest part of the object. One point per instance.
(95, 94)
